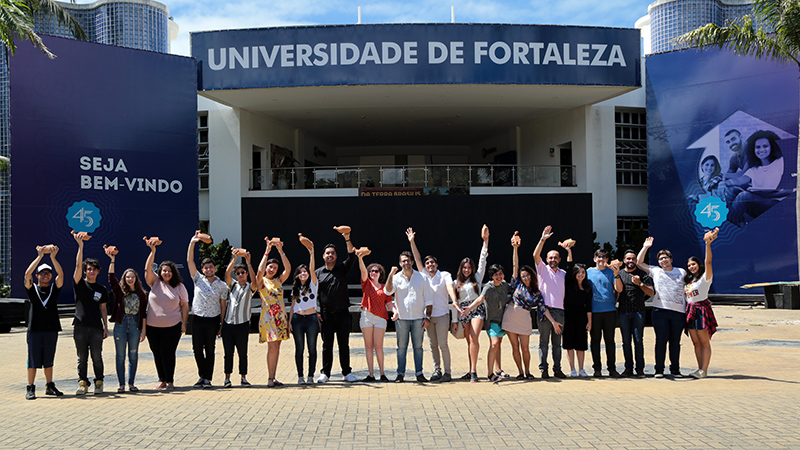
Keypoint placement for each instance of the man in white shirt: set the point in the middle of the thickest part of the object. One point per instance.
(441, 293)
(412, 313)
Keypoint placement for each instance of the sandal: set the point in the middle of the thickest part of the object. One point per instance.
(466, 376)
(120, 389)
(473, 377)
(521, 377)
(160, 386)
(494, 377)
(133, 388)
(502, 374)
(530, 376)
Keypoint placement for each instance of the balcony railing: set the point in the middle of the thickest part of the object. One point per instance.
(452, 175)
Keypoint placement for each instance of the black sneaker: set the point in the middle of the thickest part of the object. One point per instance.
(677, 374)
(545, 374)
(598, 374)
(446, 378)
(400, 378)
(437, 375)
(614, 374)
(627, 373)
(52, 390)
(369, 379)
(421, 379)
(30, 393)
(246, 383)
(227, 383)
(659, 375)
(199, 384)
(559, 374)
(640, 374)
(207, 384)
(383, 379)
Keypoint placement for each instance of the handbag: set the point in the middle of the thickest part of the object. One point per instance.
(459, 331)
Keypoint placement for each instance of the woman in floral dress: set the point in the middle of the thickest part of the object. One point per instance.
(273, 328)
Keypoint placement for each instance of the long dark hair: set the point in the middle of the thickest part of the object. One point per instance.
(534, 287)
(690, 277)
(750, 147)
(137, 285)
(461, 279)
(298, 286)
(176, 276)
(572, 278)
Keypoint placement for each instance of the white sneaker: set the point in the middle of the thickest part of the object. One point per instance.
(583, 373)
(301, 380)
(350, 378)
(573, 374)
(310, 380)
(322, 378)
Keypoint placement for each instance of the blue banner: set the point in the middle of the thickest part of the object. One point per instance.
(417, 54)
(103, 140)
(722, 152)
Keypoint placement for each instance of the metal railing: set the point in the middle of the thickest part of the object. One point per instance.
(451, 175)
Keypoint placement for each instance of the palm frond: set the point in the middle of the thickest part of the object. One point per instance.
(16, 20)
(742, 38)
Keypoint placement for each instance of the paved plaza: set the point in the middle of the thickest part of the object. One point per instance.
(750, 400)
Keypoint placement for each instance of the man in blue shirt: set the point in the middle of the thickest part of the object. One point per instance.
(605, 284)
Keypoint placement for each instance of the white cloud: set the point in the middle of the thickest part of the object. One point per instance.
(191, 15)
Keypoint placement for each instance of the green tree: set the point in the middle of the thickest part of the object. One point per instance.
(5, 163)
(16, 22)
(219, 253)
(772, 31)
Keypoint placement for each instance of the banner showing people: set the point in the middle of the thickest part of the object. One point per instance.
(722, 152)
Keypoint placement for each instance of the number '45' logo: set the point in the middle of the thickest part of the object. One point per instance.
(83, 216)
(711, 211)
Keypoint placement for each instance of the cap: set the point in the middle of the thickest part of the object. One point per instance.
(44, 267)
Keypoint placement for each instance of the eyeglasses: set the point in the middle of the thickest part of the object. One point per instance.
(374, 271)
(241, 272)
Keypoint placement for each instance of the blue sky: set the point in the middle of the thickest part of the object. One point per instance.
(193, 15)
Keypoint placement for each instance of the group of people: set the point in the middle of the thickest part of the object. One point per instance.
(751, 183)
(567, 305)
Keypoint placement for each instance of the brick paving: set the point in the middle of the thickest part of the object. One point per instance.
(750, 400)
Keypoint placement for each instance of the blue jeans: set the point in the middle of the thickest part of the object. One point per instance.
(668, 326)
(631, 326)
(406, 328)
(305, 330)
(126, 334)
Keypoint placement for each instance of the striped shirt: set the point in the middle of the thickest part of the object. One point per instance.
(238, 306)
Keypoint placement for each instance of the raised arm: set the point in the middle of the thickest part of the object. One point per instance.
(567, 245)
(190, 254)
(149, 275)
(515, 242)
(709, 238)
(388, 288)
(112, 277)
(255, 282)
(481, 270)
(287, 267)
(537, 253)
(32, 267)
(640, 257)
(312, 265)
(362, 266)
(57, 267)
(262, 266)
(229, 269)
(77, 275)
(417, 258)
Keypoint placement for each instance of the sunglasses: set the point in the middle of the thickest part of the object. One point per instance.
(241, 272)
(374, 271)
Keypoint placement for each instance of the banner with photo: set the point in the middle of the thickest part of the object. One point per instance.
(722, 152)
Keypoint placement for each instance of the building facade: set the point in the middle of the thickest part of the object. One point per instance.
(668, 19)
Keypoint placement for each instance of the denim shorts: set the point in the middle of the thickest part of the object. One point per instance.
(371, 320)
(495, 330)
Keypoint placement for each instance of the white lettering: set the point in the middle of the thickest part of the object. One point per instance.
(409, 52)
(388, 47)
(480, 50)
(130, 182)
(520, 53)
(234, 56)
(121, 167)
(86, 182)
(551, 54)
(567, 60)
(370, 54)
(287, 55)
(268, 59)
(456, 52)
(333, 54)
(536, 47)
(321, 57)
(176, 186)
(349, 53)
(616, 56)
(86, 163)
(601, 48)
(303, 53)
(583, 54)
(493, 52)
(219, 65)
(437, 52)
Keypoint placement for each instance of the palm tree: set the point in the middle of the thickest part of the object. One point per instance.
(772, 31)
(16, 21)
